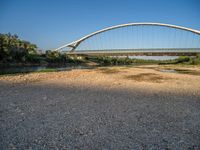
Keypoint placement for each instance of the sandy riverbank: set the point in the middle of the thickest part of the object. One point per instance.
(108, 107)
(151, 77)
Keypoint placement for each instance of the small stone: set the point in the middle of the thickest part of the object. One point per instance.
(45, 98)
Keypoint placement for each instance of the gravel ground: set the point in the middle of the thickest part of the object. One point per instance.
(118, 108)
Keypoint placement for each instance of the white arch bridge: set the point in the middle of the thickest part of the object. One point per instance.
(137, 39)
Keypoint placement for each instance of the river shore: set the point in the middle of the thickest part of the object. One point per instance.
(138, 107)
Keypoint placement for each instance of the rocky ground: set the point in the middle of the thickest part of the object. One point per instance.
(144, 107)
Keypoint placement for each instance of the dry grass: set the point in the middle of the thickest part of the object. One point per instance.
(146, 77)
(109, 70)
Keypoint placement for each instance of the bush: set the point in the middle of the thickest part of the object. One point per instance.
(111, 60)
(34, 58)
(195, 60)
(183, 59)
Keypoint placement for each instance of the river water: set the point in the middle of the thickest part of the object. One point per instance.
(27, 69)
(12, 70)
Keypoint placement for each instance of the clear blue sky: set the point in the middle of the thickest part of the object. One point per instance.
(52, 23)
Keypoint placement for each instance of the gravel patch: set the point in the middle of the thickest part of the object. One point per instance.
(99, 110)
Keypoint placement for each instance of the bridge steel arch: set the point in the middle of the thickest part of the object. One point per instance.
(75, 44)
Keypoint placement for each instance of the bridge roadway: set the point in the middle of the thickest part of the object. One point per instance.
(139, 52)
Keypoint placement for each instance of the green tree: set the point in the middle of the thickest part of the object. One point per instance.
(13, 49)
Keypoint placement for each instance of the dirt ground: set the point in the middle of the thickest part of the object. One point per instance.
(140, 107)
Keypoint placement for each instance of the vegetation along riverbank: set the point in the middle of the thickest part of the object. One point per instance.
(15, 52)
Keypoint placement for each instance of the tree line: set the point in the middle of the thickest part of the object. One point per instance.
(15, 50)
